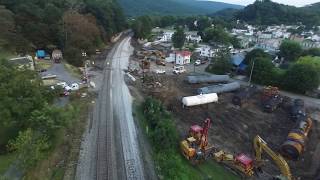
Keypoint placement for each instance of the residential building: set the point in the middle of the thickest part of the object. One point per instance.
(179, 57)
(193, 38)
(206, 51)
(165, 36)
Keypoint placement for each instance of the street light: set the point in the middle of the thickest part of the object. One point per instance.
(251, 71)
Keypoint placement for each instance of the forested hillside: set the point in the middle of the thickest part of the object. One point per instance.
(266, 12)
(71, 25)
(172, 7)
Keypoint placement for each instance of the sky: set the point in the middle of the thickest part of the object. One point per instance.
(297, 3)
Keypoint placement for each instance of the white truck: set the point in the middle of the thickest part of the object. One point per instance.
(179, 69)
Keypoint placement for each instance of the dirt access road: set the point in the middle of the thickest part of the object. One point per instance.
(110, 148)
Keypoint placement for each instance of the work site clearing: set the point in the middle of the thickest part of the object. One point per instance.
(233, 128)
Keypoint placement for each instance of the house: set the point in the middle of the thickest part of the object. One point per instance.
(238, 62)
(40, 54)
(206, 51)
(165, 36)
(23, 62)
(307, 43)
(192, 36)
(269, 45)
(179, 57)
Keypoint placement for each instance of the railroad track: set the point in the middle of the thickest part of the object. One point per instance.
(110, 149)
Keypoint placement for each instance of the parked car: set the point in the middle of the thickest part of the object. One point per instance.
(179, 69)
(160, 71)
(197, 63)
(62, 84)
(74, 87)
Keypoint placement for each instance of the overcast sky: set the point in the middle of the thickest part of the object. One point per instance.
(298, 3)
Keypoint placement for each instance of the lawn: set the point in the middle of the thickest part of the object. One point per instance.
(43, 64)
(6, 55)
(74, 71)
(5, 161)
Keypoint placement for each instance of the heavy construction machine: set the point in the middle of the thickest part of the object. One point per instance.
(261, 146)
(248, 167)
(271, 99)
(195, 148)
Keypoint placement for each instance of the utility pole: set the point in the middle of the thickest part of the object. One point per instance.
(250, 78)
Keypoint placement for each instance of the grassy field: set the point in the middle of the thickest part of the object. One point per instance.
(206, 170)
(5, 161)
(74, 71)
(43, 64)
(6, 55)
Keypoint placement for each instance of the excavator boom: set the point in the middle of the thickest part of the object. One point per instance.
(260, 145)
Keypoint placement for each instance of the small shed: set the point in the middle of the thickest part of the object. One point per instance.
(40, 54)
(238, 62)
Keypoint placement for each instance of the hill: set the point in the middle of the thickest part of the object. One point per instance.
(172, 7)
(266, 12)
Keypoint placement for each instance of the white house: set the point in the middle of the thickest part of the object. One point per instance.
(179, 57)
(206, 51)
(194, 38)
(165, 36)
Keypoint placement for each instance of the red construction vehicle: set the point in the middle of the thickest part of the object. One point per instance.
(195, 147)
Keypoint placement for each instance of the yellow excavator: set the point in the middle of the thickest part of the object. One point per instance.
(195, 148)
(261, 146)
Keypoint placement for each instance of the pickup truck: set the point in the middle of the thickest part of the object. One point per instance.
(179, 69)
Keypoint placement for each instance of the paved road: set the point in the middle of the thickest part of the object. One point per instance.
(110, 149)
(309, 101)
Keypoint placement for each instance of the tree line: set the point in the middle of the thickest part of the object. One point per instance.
(72, 26)
(211, 30)
(29, 122)
(266, 12)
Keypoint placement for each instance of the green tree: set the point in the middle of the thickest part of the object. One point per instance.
(178, 38)
(301, 78)
(47, 120)
(142, 27)
(216, 35)
(290, 50)
(256, 53)
(221, 64)
(29, 147)
(83, 34)
(313, 61)
(263, 71)
(235, 42)
(7, 27)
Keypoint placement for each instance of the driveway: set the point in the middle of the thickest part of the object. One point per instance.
(62, 74)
